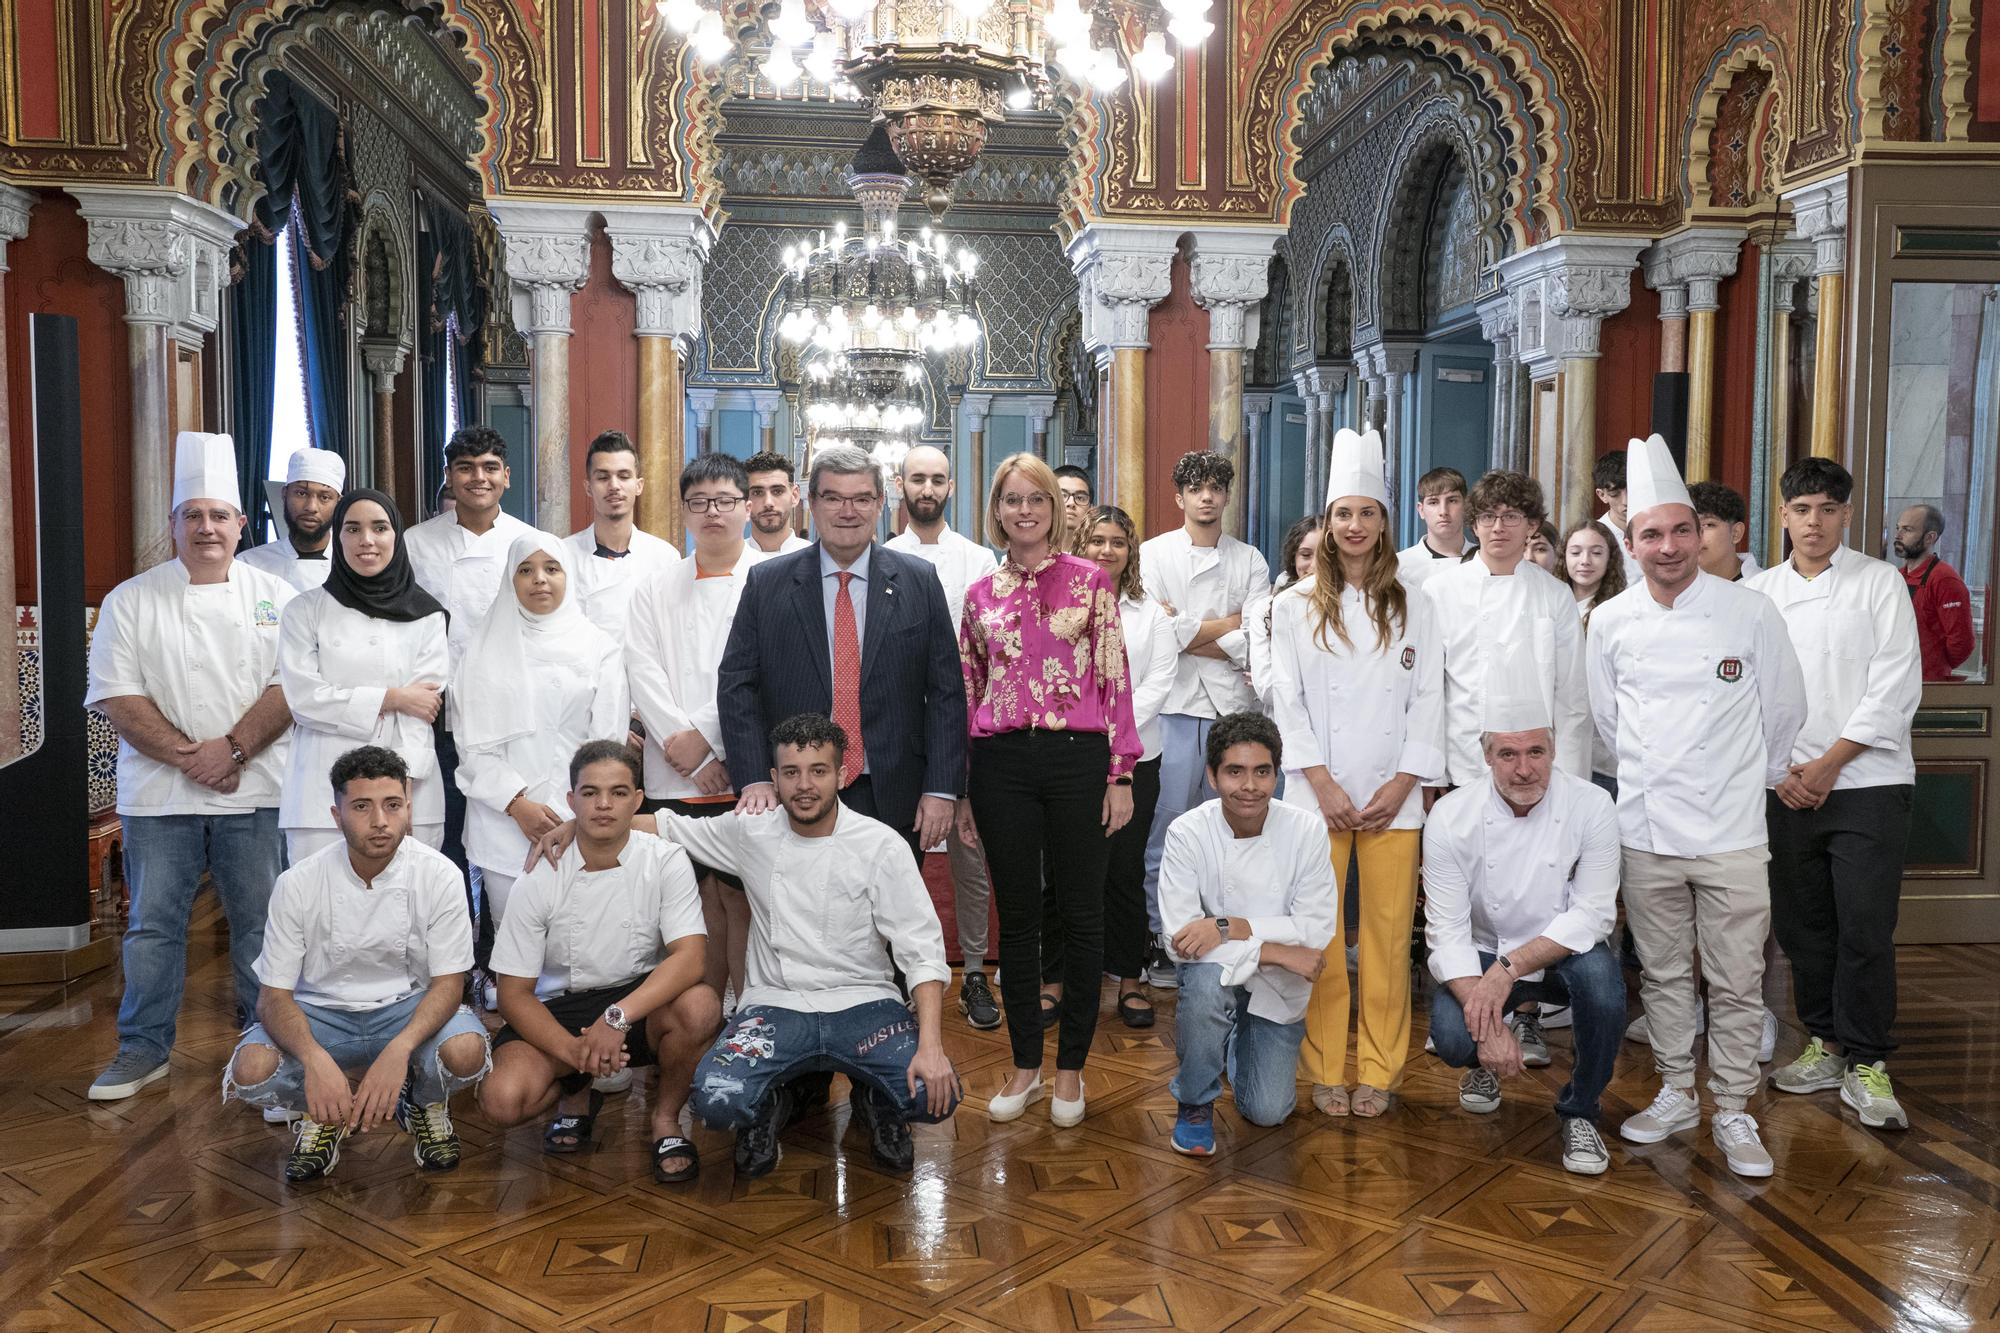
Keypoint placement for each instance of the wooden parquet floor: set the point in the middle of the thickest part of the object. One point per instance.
(167, 1211)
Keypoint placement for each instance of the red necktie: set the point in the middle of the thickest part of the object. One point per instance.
(847, 681)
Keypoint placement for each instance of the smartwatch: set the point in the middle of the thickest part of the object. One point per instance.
(614, 1018)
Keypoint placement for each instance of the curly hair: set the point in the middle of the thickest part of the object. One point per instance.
(1244, 729)
(473, 442)
(807, 731)
(1129, 584)
(1507, 490)
(366, 762)
(1199, 467)
(598, 752)
(1816, 476)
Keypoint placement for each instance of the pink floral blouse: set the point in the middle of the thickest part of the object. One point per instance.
(1044, 649)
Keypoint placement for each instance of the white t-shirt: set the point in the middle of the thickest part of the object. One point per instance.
(578, 929)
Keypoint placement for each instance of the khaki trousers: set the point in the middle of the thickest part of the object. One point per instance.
(1720, 905)
(1388, 860)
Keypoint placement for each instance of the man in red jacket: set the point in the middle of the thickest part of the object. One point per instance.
(1942, 603)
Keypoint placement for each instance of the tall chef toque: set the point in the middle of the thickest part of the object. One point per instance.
(1355, 467)
(205, 469)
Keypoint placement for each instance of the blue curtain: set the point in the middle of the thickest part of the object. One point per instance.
(253, 316)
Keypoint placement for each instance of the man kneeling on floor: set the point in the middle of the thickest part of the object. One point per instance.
(598, 963)
(1520, 893)
(365, 955)
(1248, 901)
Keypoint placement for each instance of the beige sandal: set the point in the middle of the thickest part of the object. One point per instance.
(1370, 1102)
(1330, 1099)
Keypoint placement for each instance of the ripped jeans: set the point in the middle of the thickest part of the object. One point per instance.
(763, 1046)
(355, 1038)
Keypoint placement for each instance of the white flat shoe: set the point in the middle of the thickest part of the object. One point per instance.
(1067, 1115)
(1004, 1106)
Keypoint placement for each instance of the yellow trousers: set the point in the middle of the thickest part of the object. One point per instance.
(1388, 861)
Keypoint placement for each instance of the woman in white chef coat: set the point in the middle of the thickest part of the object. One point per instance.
(1358, 695)
(363, 662)
(536, 681)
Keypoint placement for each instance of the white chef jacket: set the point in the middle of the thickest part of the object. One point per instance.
(280, 557)
(1634, 575)
(203, 653)
(1493, 881)
(676, 628)
(1365, 712)
(337, 943)
(578, 929)
(460, 569)
(1477, 612)
(593, 705)
(1747, 563)
(1856, 636)
(1702, 702)
(1603, 759)
(826, 914)
(604, 587)
(1280, 882)
(1206, 583)
(336, 665)
(1417, 564)
(959, 561)
(792, 542)
(1152, 660)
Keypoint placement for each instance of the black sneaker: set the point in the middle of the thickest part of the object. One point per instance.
(808, 1093)
(315, 1151)
(975, 1001)
(757, 1148)
(888, 1134)
(1161, 970)
(433, 1141)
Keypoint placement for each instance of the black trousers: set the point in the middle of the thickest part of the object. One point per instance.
(1036, 796)
(859, 796)
(1836, 885)
(1126, 930)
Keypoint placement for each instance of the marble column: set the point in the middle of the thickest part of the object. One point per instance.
(972, 410)
(1229, 275)
(765, 404)
(657, 254)
(384, 361)
(702, 401)
(548, 257)
(14, 206)
(1820, 211)
(1397, 366)
(1256, 452)
(1331, 382)
(1687, 269)
(1788, 265)
(169, 250)
(1122, 270)
(1497, 324)
(662, 441)
(1307, 385)
(1041, 409)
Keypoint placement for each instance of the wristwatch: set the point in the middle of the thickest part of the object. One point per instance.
(1506, 964)
(1222, 926)
(236, 752)
(614, 1018)
(1121, 782)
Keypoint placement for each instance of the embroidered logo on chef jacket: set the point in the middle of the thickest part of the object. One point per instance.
(1729, 670)
(1409, 659)
(267, 615)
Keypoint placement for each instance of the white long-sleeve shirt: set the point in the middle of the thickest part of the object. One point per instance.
(1477, 612)
(1205, 583)
(1856, 636)
(959, 561)
(1493, 880)
(336, 666)
(1702, 702)
(1364, 711)
(281, 558)
(827, 915)
(1152, 662)
(203, 653)
(1281, 882)
(604, 587)
(676, 627)
(461, 569)
(575, 929)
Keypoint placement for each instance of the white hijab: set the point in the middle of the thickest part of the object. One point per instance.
(495, 703)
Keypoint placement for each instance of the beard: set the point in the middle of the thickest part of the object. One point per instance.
(770, 520)
(1910, 553)
(305, 532)
(925, 510)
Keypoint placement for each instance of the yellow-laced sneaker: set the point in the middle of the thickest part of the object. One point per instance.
(1866, 1088)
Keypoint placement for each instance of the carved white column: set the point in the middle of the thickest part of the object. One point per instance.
(702, 403)
(1820, 211)
(1689, 267)
(14, 206)
(1229, 276)
(657, 254)
(973, 410)
(169, 250)
(1041, 409)
(1256, 449)
(1307, 385)
(383, 359)
(1122, 271)
(548, 258)
(1498, 325)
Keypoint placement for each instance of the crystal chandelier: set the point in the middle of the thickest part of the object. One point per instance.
(872, 404)
(941, 73)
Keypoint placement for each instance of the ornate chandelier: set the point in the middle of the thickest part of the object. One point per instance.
(941, 73)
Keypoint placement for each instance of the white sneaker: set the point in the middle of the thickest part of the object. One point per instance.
(1584, 1152)
(1736, 1134)
(1641, 1031)
(1555, 1015)
(1767, 1044)
(1671, 1112)
(1867, 1091)
(617, 1082)
(281, 1115)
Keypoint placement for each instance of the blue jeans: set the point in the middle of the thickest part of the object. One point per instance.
(1215, 1030)
(764, 1046)
(164, 858)
(1593, 987)
(355, 1039)
(1183, 786)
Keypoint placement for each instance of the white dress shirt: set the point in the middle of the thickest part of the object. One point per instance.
(1493, 880)
(1417, 565)
(1152, 660)
(203, 653)
(461, 569)
(677, 626)
(337, 665)
(1856, 636)
(1478, 611)
(826, 914)
(604, 587)
(337, 943)
(1206, 583)
(1364, 711)
(1280, 883)
(959, 561)
(578, 929)
(1702, 702)
(281, 558)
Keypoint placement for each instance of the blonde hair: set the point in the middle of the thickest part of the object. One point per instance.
(1038, 475)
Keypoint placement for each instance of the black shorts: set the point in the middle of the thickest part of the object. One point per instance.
(697, 810)
(577, 1010)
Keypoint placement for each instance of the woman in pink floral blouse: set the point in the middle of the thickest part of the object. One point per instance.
(1049, 704)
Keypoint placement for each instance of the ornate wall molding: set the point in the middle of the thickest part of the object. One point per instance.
(1563, 290)
(169, 250)
(1691, 265)
(657, 254)
(1819, 212)
(548, 256)
(1229, 275)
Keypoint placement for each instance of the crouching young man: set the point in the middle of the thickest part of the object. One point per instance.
(1248, 900)
(598, 963)
(365, 955)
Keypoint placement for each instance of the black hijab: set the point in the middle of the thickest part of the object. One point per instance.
(392, 594)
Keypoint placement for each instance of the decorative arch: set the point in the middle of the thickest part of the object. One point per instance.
(1420, 191)
(383, 270)
(1745, 52)
(1890, 62)
(1331, 307)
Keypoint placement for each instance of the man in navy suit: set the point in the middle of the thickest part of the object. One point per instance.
(859, 633)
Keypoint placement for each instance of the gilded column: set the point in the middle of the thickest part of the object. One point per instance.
(1229, 276)
(1820, 211)
(973, 409)
(1122, 270)
(1687, 269)
(657, 254)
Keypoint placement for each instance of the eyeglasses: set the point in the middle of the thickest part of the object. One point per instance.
(718, 504)
(1504, 518)
(1035, 500)
(855, 503)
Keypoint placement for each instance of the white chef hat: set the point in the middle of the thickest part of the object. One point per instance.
(205, 468)
(320, 465)
(1355, 467)
(1651, 479)
(1519, 691)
